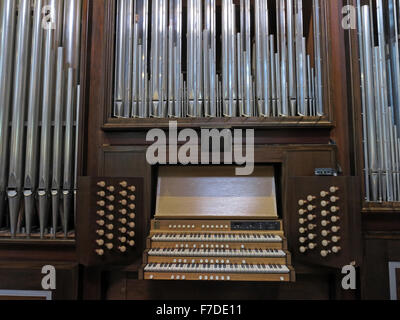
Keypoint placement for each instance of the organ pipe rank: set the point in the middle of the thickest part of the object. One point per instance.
(39, 84)
(234, 67)
(380, 72)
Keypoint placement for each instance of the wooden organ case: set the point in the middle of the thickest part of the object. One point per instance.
(315, 220)
(113, 256)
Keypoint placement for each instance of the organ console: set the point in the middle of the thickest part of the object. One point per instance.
(236, 250)
(232, 235)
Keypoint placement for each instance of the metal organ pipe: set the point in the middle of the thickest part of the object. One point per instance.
(247, 85)
(31, 154)
(175, 59)
(194, 58)
(7, 20)
(68, 183)
(15, 180)
(56, 184)
(47, 109)
(119, 59)
(318, 56)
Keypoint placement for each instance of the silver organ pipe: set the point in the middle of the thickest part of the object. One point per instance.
(50, 47)
(301, 62)
(32, 136)
(15, 181)
(379, 65)
(39, 44)
(158, 60)
(227, 70)
(120, 59)
(272, 66)
(210, 61)
(71, 42)
(245, 52)
(175, 59)
(284, 111)
(293, 57)
(139, 67)
(56, 184)
(68, 183)
(194, 58)
(7, 20)
(318, 56)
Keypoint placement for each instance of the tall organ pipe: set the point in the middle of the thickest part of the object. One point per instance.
(56, 184)
(7, 20)
(31, 155)
(15, 180)
(68, 184)
(47, 114)
(71, 34)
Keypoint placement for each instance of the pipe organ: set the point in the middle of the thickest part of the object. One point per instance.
(39, 98)
(231, 60)
(378, 36)
(89, 89)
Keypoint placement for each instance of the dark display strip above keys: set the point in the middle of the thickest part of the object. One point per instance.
(256, 225)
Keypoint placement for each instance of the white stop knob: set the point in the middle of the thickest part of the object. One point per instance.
(302, 230)
(325, 233)
(312, 246)
(302, 202)
(302, 221)
(334, 199)
(312, 236)
(324, 203)
(325, 243)
(323, 194)
(302, 239)
(335, 229)
(310, 198)
(324, 223)
(333, 189)
(302, 249)
(311, 207)
(336, 249)
(335, 219)
(324, 253)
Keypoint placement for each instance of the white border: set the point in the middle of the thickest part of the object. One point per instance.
(27, 293)
(392, 279)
